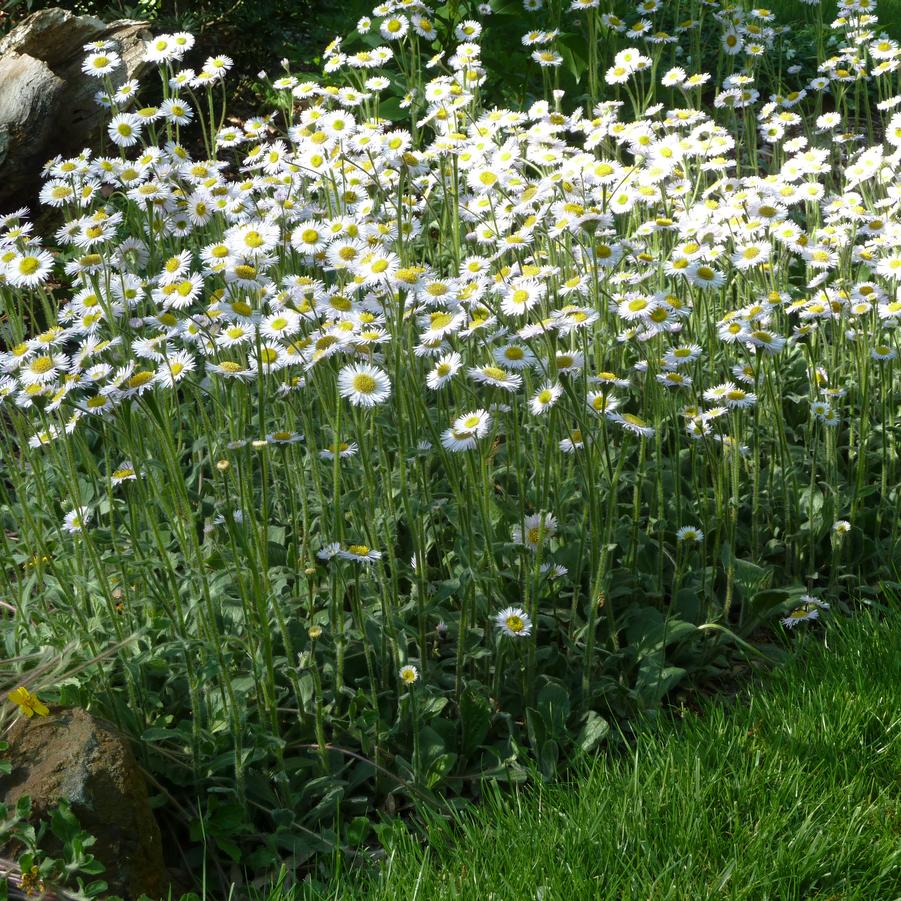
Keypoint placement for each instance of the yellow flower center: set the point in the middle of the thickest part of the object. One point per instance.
(515, 623)
(363, 383)
(139, 379)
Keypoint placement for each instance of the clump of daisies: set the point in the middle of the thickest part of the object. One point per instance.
(350, 391)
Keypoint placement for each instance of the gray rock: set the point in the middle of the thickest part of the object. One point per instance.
(47, 105)
(83, 760)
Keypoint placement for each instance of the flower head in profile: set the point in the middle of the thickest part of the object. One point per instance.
(808, 610)
(632, 423)
(690, 533)
(125, 472)
(364, 385)
(514, 621)
(841, 527)
(361, 553)
(30, 704)
(329, 551)
(341, 449)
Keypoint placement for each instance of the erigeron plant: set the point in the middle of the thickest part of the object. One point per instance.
(387, 448)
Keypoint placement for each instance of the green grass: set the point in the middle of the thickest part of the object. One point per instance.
(792, 791)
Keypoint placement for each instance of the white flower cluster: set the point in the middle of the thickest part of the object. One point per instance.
(483, 255)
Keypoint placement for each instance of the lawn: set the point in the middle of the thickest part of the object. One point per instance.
(791, 790)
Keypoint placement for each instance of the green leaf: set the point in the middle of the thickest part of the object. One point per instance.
(507, 7)
(548, 758)
(158, 733)
(356, 831)
(594, 731)
(439, 768)
(655, 680)
(433, 706)
(569, 48)
(475, 718)
(535, 729)
(649, 631)
(764, 601)
(554, 707)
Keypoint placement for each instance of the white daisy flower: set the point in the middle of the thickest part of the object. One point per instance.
(76, 520)
(364, 385)
(514, 622)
